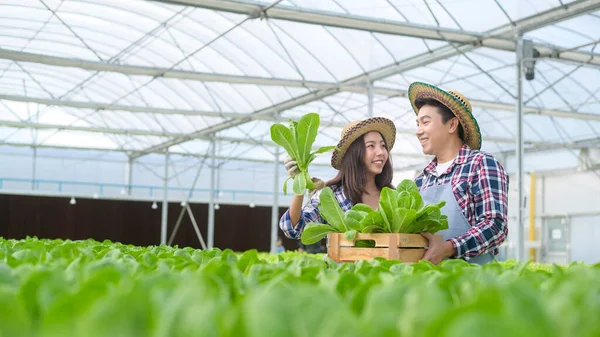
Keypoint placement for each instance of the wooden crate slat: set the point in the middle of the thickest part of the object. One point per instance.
(408, 248)
(354, 254)
(403, 240)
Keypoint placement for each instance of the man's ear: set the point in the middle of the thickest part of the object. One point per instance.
(453, 125)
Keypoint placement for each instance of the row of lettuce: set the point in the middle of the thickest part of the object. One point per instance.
(90, 288)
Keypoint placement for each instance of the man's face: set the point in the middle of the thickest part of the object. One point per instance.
(432, 133)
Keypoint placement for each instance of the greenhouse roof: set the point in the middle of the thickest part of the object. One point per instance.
(142, 77)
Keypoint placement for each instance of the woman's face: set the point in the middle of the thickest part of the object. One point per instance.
(376, 153)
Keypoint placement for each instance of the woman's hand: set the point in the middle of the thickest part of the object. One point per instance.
(291, 166)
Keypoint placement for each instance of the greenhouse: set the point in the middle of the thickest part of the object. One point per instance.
(139, 133)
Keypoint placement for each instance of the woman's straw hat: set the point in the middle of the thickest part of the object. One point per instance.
(355, 129)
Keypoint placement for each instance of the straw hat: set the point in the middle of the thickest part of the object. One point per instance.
(355, 129)
(453, 100)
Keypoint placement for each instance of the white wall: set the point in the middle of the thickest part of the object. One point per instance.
(235, 179)
(574, 197)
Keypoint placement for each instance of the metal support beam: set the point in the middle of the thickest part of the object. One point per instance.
(186, 207)
(576, 145)
(128, 174)
(519, 232)
(33, 168)
(195, 225)
(275, 208)
(371, 97)
(382, 91)
(211, 202)
(118, 150)
(103, 130)
(176, 228)
(497, 39)
(548, 17)
(134, 70)
(274, 110)
(165, 203)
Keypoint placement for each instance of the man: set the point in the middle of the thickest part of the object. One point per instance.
(473, 183)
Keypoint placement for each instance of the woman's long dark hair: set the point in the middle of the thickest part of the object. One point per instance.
(353, 173)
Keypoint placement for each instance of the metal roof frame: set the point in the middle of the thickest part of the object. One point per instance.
(460, 41)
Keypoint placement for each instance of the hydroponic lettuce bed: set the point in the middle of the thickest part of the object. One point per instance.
(89, 288)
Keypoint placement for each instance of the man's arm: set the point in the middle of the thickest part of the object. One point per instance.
(489, 189)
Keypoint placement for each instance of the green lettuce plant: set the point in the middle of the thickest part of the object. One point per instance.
(297, 140)
(400, 211)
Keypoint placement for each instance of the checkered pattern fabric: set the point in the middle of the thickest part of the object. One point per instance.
(310, 213)
(480, 186)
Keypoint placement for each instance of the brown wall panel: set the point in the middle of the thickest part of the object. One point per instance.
(237, 227)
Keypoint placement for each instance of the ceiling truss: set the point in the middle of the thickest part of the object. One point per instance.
(460, 42)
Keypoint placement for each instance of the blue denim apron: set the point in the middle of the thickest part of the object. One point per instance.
(457, 223)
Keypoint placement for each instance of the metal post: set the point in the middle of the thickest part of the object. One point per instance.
(532, 203)
(189, 210)
(275, 209)
(34, 169)
(211, 200)
(371, 94)
(519, 152)
(128, 174)
(165, 203)
(195, 225)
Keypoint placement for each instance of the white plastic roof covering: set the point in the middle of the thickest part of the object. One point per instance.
(142, 76)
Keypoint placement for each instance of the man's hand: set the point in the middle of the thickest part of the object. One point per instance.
(438, 249)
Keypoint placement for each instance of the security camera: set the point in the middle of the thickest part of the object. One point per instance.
(530, 55)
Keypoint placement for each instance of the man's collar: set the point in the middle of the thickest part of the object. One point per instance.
(461, 158)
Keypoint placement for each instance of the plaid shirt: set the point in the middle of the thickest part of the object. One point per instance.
(480, 186)
(310, 213)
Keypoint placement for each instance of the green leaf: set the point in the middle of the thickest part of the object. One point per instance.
(309, 183)
(431, 209)
(308, 126)
(407, 185)
(372, 219)
(282, 136)
(285, 185)
(405, 200)
(267, 312)
(299, 184)
(427, 225)
(417, 200)
(363, 208)
(246, 260)
(364, 243)
(331, 211)
(353, 219)
(372, 229)
(315, 232)
(350, 235)
(406, 217)
(323, 149)
(386, 223)
(387, 204)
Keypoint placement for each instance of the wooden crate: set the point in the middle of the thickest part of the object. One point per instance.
(408, 248)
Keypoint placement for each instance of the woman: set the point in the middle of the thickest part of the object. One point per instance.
(364, 168)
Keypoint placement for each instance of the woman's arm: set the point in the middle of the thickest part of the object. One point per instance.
(296, 208)
(293, 227)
